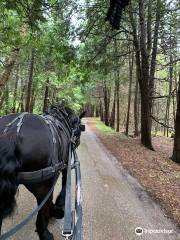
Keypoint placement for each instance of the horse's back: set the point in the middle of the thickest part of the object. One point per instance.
(31, 124)
(7, 119)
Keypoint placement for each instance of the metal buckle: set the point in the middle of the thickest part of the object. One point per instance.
(67, 235)
(73, 166)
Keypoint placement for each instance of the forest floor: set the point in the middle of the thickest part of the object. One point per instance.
(159, 176)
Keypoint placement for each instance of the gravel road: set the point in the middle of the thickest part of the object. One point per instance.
(114, 203)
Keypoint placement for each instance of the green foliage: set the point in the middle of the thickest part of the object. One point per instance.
(29, 11)
(103, 128)
(75, 49)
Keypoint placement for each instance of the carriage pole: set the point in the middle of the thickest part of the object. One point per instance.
(78, 206)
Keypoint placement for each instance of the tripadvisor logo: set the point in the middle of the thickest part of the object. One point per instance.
(139, 231)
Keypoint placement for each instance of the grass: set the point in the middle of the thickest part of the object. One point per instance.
(108, 130)
(103, 128)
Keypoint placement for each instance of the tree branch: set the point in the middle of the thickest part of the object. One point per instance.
(161, 123)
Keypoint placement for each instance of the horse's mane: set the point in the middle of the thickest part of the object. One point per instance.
(60, 110)
(61, 107)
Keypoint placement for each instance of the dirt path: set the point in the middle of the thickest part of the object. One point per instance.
(114, 204)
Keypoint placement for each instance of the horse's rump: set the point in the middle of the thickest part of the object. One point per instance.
(34, 141)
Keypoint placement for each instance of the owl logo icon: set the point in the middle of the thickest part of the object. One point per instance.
(139, 231)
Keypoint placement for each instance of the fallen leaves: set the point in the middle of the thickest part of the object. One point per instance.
(154, 170)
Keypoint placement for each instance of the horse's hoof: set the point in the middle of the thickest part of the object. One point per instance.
(60, 202)
(57, 212)
(46, 236)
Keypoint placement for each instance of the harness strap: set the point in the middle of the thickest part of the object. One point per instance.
(54, 159)
(54, 130)
(39, 175)
(54, 125)
(19, 124)
(65, 119)
(59, 124)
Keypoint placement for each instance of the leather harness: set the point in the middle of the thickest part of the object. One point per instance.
(56, 165)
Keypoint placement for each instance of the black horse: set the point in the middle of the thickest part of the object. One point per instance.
(28, 146)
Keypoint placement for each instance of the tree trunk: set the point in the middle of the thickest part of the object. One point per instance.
(144, 82)
(106, 105)
(92, 110)
(54, 92)
(6, 100)
(129, 94)
(101, 111)
(117, 105)
(174, 109)
(31, 70)
(8, 68)
(142, 66)
(2, 99)
(145, 119)
(15, 89)
(113, 112)
(154, 53)
(46, 96)
(22, 98)
(169, 95)
(97, 111)
(136, 111)
(176, 149)
(32, 103)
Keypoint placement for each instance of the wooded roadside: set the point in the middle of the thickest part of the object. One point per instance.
(156, 173)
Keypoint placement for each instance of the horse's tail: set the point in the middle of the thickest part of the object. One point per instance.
(8, 174)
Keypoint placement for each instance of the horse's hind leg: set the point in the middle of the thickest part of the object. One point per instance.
(0, 226)
(40, 191)
(43, 220)
(58, 209)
